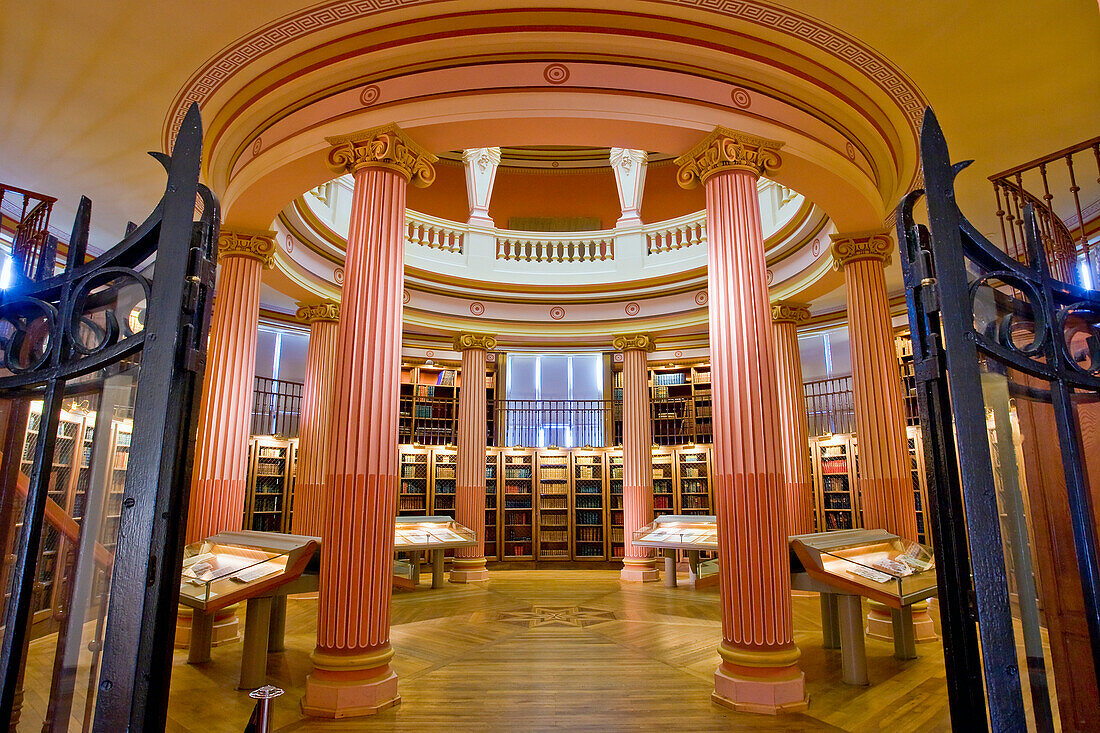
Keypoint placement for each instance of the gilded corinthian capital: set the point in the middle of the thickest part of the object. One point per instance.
(464, 341)
(382, 147)
(241, 243)
(324, 311)
(863, 246)
(641, 341)
(787, 312)
(725, 150)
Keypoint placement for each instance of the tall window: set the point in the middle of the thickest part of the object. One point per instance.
(554, 399)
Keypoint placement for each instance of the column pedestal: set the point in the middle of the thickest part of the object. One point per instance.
(468, 570)
(350, 686)
(640, 570)
(760, 682)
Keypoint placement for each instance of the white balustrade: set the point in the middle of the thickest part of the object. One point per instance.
(667, 236)
(434, 233)
(548, 247)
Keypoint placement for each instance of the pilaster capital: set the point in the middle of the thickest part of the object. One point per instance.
(382, 147)
(787, 312)
(326, 310)
(861, 246)
(483, 341)
(638, 341)
(724, 150)
(258, 245)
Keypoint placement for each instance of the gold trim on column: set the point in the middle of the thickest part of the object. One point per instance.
(641, 341)
(382, 147)
(724, 150)
(243, 243)
(788, 312)
(861, 246)
(759, 657)
(483, 341)
(326, 310)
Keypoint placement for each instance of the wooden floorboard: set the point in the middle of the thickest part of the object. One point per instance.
(557, 650)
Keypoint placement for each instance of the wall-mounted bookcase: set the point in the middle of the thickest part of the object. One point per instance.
(444, 467)
(553, 505)
(664, 482)
(413, 482)
(492, 505)
(615, 502)
(517, 541)
(920, 484)
(428, 407)
(834, 476)
(680, 404)
(693, 481)
(590, 513)
(269, 495)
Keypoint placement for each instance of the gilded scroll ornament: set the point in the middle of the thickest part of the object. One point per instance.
(324, 311)
(626, 342)
(484, 341)
(790, 313)
(867, 246)
(382, 147)
(725, 150)
(239, 243)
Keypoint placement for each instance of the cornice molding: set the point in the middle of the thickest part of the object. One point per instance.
(483, 341)
(848, 248)
(788, 312)
(326, 310)
(258, 245)
(727, 150)
(386, 147)
(634, 341)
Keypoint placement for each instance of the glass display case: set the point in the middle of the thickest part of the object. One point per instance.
(680, 532)
(234, 566)
(430, 533)
(868, 562)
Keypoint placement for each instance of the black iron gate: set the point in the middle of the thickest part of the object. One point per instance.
(1008, 369)
(98, 365)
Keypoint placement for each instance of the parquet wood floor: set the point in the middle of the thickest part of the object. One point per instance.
(549, 650)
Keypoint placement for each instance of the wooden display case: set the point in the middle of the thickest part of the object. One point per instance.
(269, 497)
(836, 497)
(664, 482)
(590, 515)
(444, 468)
(615, 503)
(693, 472)
(413, 482)
(553, 505)
(492, 504)
(517, 541)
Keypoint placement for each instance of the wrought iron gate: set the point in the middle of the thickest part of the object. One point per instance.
(1008, 385)
(105, 360)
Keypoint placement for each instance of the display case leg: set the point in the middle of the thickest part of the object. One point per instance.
(670, 568)
(257, 628)
(905, 637)
(414, 560)
(437, 568)
(693, 566)
(830, 623)
(276, 639)
(202, 630)
(853, 653)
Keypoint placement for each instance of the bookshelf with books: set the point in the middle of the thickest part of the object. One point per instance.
(664, 482)
(121, 433)
(701, 403)
(428, 405)
(492, 504)
(413, 482)
(268, 496)
(517, 539)
(693, 483)
(671, 405)
(834, 476)
(444, 466)
(553, 504)
(590, 513)
(920, 482)
(615, 503)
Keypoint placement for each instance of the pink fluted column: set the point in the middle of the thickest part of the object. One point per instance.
(469, 562)
(310, 507)
(639, 564)
(884, 481)
(759, 671)
(792, 417)
(225, 412)
(351, 664)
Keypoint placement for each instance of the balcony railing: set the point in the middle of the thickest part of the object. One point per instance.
(1017, 187)
(433, 233)
(589, 247)
(561, 423)
(276, 407)
(34, 250)
(829, 406)
(668, 236)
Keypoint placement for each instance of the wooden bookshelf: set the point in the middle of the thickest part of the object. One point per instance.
(492, 504)
(590, 515)
(664, 482)
(269, 494)
(553, 505)
(413, 482)
(693, 483)
(428, 405)
(834, 476)
(517, 540)
(615, 503)
(444, 472)
(680, 404)
(920, 484)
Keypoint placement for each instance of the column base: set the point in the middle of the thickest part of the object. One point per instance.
(469, 570)
(350, 686)
(640, 570)
(880, 624)
(227, 627)
(765, 682)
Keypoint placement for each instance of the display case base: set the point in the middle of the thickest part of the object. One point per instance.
(880, 625)
(226, 627)
(333, 697)
(785, 693)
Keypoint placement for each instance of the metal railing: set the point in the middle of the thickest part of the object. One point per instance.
(276, 407)
(829, 406)
(1063, 246)
(561, 423)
